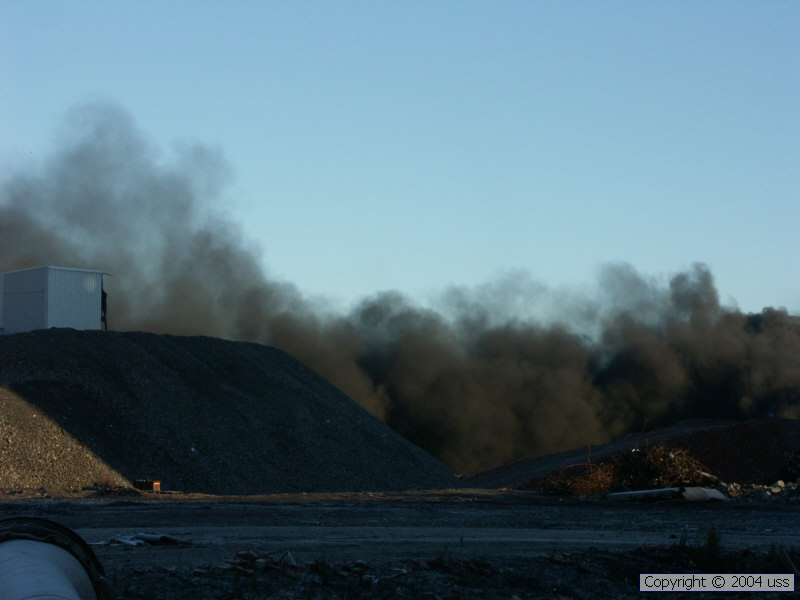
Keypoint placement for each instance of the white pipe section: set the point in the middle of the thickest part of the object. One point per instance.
(41, 571)
(662, 493)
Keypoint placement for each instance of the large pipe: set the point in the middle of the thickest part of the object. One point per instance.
(44, 560)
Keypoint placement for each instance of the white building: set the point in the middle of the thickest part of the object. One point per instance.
(44, 297)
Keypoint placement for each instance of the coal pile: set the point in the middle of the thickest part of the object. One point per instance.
(199, 414)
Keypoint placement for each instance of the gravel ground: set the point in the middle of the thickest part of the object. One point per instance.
(592, 574)
(589, 574)
(407, 546)
(82, 408)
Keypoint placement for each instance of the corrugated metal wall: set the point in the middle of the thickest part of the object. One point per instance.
(73, 298)
(24, 300)
(46, 297)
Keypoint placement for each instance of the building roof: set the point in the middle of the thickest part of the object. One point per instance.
(53, 267)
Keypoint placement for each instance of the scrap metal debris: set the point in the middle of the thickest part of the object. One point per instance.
(690, 494)
(659, 494)
(700, 494)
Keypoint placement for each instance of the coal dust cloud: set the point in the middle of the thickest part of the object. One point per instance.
(474, 385)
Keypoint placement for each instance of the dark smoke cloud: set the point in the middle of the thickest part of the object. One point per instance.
(477, 383)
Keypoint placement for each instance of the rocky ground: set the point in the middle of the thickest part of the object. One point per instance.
(442, 545)
(588, 574)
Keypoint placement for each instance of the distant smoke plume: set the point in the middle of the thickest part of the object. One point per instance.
(477, 383)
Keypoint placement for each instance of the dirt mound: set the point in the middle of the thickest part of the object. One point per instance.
(79, 408)
(756, 451)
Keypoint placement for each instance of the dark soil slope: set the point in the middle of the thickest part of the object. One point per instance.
(200, 414)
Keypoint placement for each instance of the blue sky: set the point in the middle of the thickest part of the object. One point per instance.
(417, 145)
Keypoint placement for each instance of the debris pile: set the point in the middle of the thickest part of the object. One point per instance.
(753, 454)
(778, 491)
(666, 472)
(658, 467)
(577, 480)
